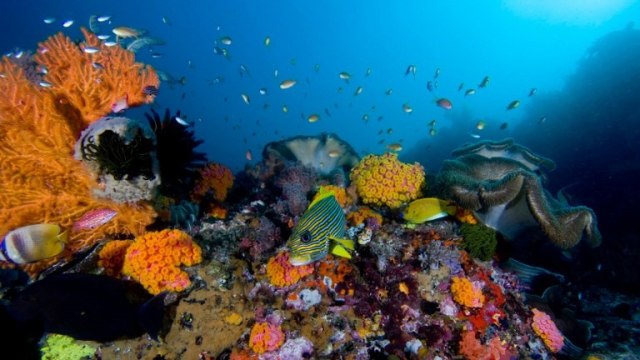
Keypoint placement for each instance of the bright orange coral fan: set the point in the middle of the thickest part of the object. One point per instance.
(154, 259)
(40, 180)
(216, 179)
(385, 180)
(281, 273)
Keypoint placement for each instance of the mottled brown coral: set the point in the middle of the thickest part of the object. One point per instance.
(40, 180)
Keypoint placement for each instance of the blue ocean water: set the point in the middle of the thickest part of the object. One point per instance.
(584, 114)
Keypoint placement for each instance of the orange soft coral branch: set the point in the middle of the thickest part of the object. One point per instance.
(40, 180)
(92, 82)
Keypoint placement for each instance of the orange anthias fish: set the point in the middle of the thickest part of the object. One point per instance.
(444, 103)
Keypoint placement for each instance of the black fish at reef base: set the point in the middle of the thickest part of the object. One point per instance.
(86, 307)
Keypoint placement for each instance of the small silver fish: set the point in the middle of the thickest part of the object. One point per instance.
(90, 49)
(103, 18)
(67, 23)
(182, 121)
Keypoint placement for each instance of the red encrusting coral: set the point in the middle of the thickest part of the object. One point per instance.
(215, 179)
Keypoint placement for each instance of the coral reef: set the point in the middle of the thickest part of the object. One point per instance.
(466, 292)
(214, 180)
(382, 180)
(121, 153)
(325, 153)
(547, 330)
(111, 256)
(501, 183)
(39, 124)
(154, 259)
(479, 240)
(62, 347)
(265, 337)
(281, 273)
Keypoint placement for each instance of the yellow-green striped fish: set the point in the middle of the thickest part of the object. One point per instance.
(321, 229)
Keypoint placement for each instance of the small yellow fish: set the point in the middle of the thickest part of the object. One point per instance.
(514, 104)
(285, 109)
(407, 108)
(313, 118)
(388, 92)
(126, 32)
(358, 91)
(481, 125)
(484, 82)
(32, 243)
(245, 98)
(397, 147)
(287, 84)
(432, 123)
(344, 76)
(433, 131)
(226, 40)
(469, 92)
(267, 41)
(427, 209)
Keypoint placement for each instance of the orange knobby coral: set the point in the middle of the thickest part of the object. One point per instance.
(361, 215)
(466, 292)
(281, 273)
(384, 180)
(339, 193)
(154, 259)
(265, 337)
(214, 178)
(111, 256)
(39, 125)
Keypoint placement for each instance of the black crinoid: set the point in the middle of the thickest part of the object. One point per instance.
(176, 155)
(117, 157)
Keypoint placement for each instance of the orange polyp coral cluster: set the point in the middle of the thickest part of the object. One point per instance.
(466, 293)
(265, 337)
(472, 349)
(40, 180)
(339, 193)
(154, 259)
(216, 179)
(384, 180)
(281, 273)
(465, 216)
(547, 330)
(361, 215)
(111, 256)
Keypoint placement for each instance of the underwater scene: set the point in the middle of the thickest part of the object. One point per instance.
(287, 180)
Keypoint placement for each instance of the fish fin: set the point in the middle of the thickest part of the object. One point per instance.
(63, 236)
(321, 194)
(340, 251)
(346, 243)
(449, 207)
(151, 315)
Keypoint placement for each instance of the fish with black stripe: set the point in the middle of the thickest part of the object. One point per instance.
(321, 230)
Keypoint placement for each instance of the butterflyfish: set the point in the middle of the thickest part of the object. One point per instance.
(321, 230)
(427, 209)
(32, 243)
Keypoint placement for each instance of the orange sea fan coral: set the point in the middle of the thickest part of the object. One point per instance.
(281, 273)
(40, 180)
(216, 179)
(92, 89)
(154, 259)
(384, 180)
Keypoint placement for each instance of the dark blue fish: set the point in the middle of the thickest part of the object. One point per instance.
(86, 307)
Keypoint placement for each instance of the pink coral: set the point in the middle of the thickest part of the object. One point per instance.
(547, 330)
(473, 349)
(265, 337)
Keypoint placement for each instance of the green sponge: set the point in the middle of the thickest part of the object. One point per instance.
(480, 241)
(61, 347)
